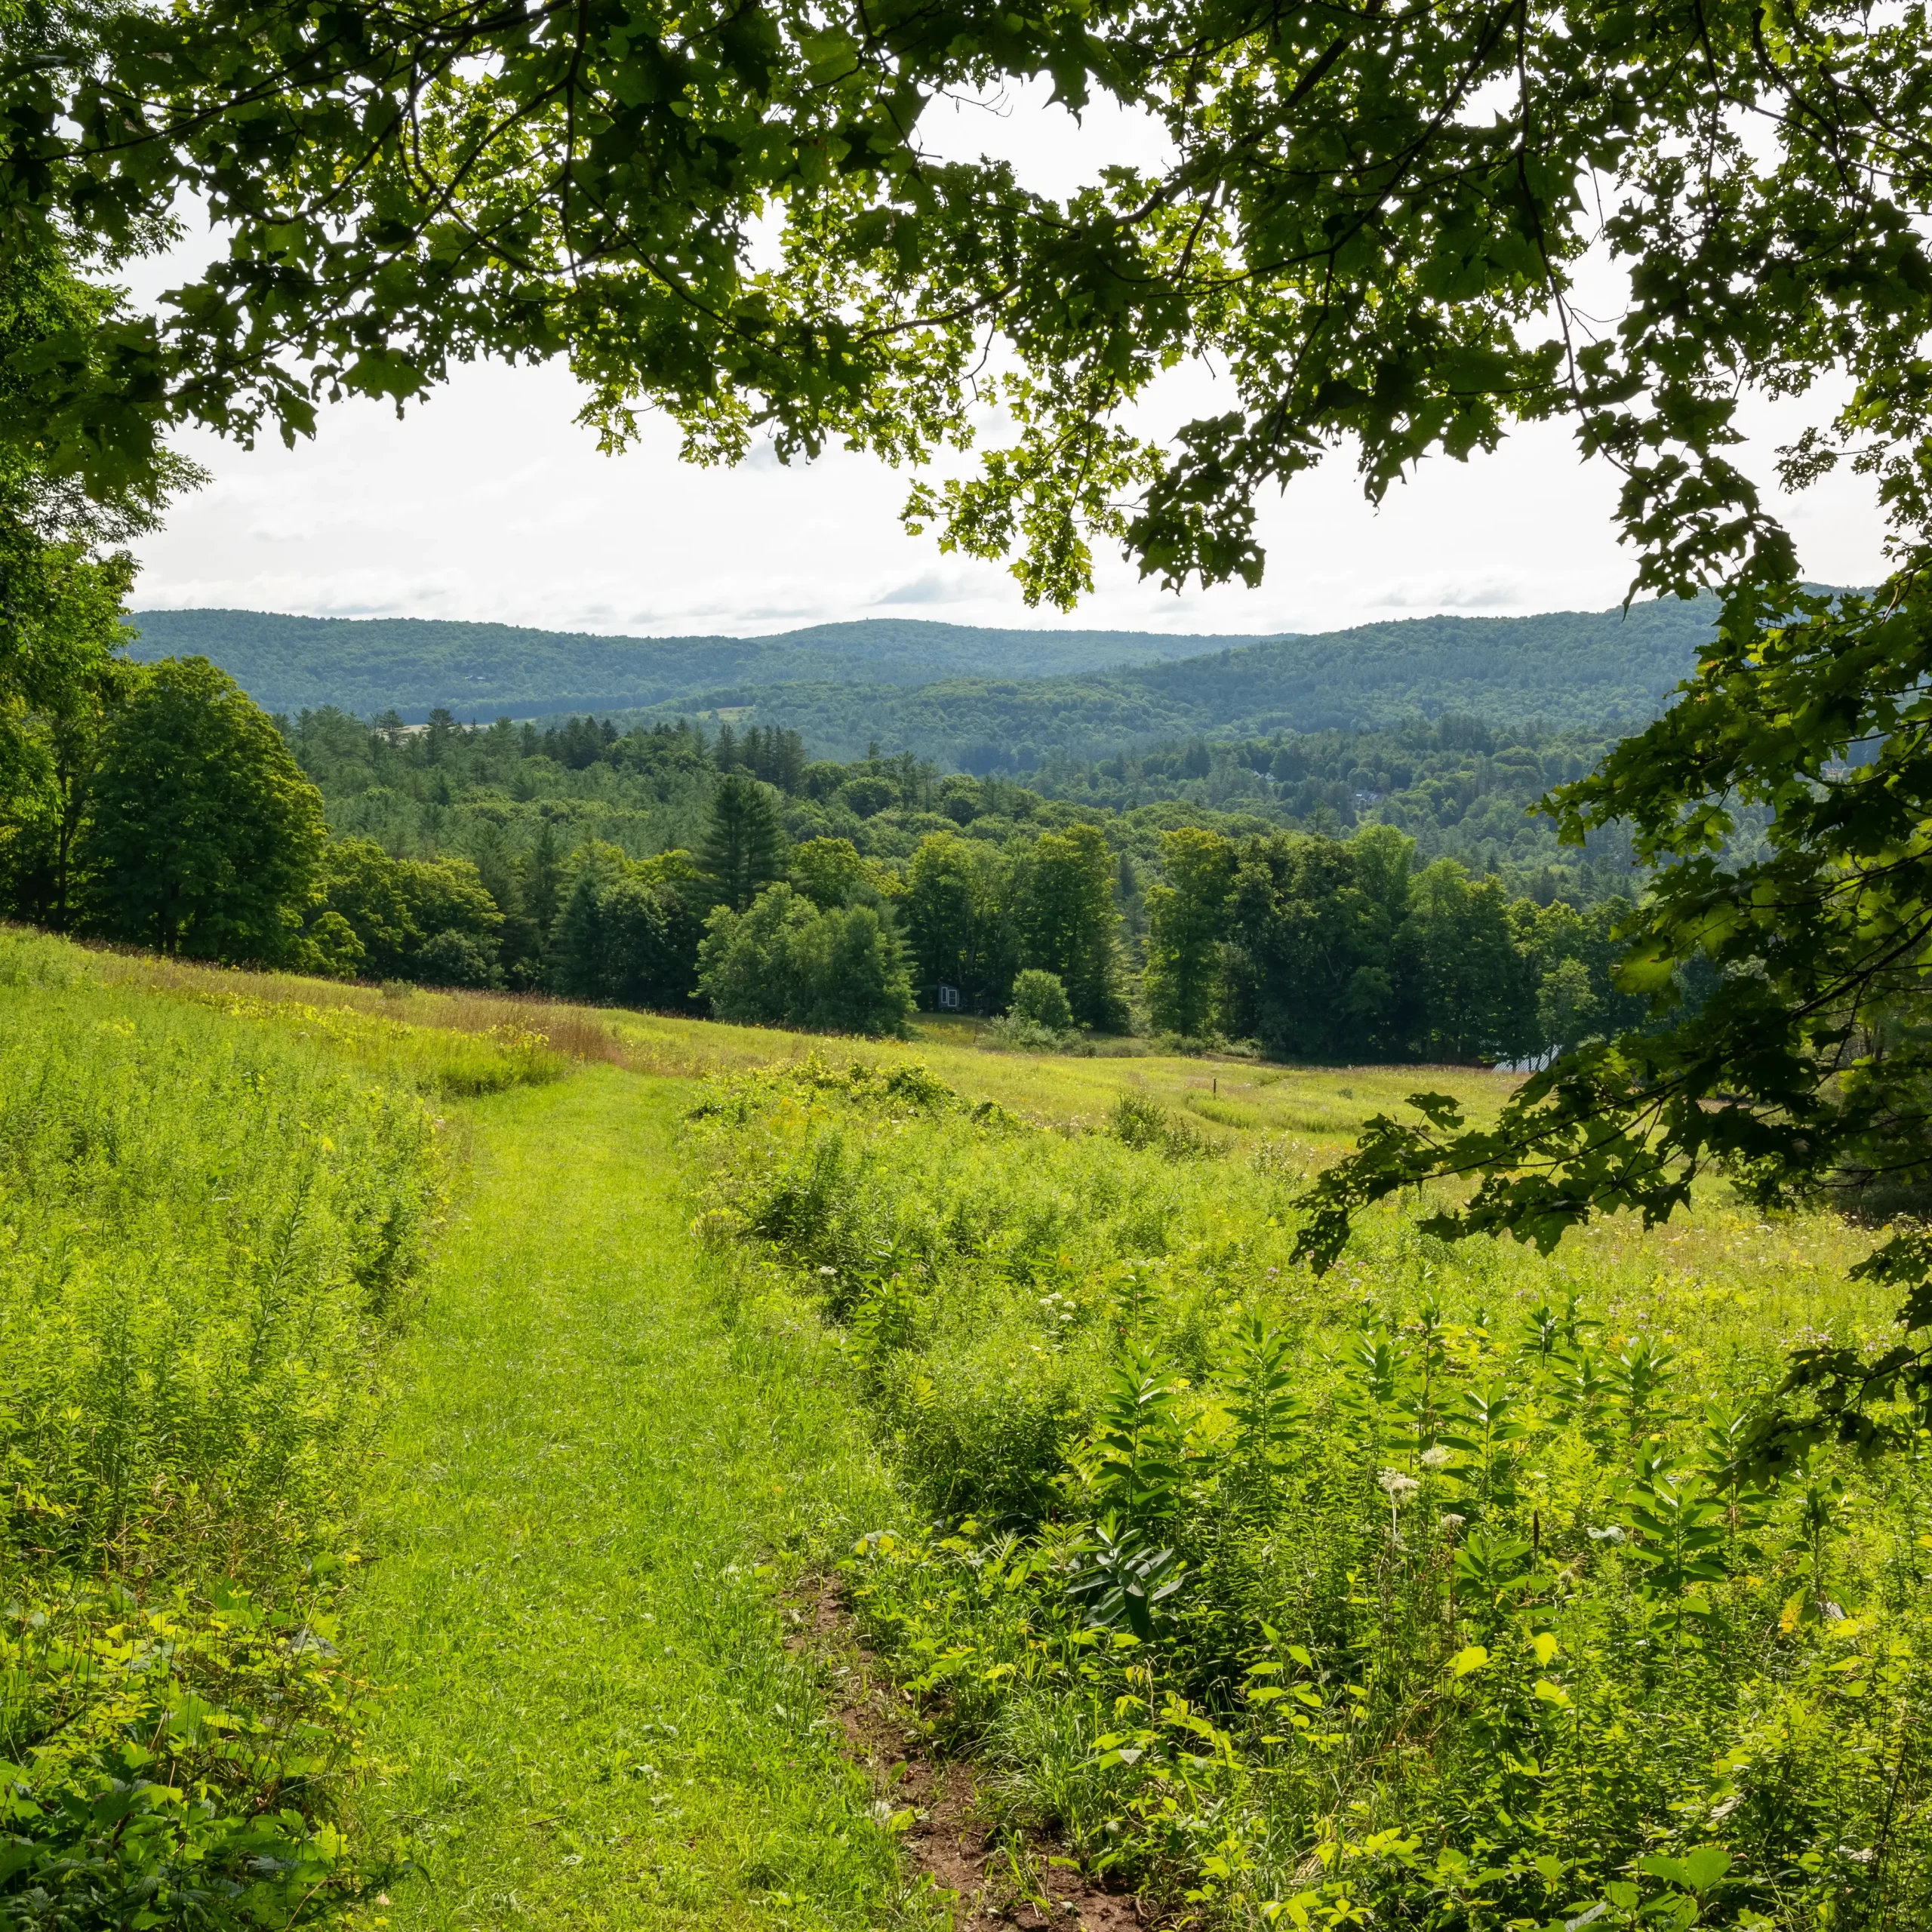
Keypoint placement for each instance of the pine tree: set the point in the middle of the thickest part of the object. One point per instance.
(539, 898)
(577, 963)
(743, 849)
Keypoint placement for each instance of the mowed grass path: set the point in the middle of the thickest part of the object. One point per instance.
(592, 1717)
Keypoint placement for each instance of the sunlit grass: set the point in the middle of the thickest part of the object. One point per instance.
(1236, 1099)
(608, 1454)
(1065, 1340)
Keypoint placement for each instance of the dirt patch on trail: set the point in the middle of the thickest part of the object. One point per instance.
(988, 1885)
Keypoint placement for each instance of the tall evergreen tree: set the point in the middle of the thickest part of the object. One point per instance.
(744, 844)
(629, 931)
(531, 915)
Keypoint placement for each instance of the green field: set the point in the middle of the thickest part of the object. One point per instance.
(433, 1424)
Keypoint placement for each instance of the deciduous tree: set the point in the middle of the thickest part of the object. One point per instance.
(1064, 922)
(1187, 920)
(955, 915)
(785, 961)
(202, 836)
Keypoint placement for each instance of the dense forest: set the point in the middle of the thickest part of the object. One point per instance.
(733, 873)
(1569, 670)
(415, 665)
(1458, 788)
(969, 699)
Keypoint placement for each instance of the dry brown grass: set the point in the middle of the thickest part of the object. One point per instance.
(578, 1032)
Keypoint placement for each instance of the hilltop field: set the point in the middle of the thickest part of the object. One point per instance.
(478, 1461)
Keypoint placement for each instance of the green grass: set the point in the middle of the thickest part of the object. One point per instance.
(465, 1043)
(592, 1473)
(594, 1488)
(209, 1223)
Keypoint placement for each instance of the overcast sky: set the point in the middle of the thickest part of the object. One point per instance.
(488, 502)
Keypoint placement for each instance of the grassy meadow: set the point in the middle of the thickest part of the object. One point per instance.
(425, 1417)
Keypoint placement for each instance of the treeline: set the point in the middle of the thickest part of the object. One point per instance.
(1595, 671)
(734, 875)
(1460, 786)
(1324, 949)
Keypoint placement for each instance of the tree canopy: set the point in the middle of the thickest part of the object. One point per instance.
(1374, 218)
(1807, 1071)
(203, 836)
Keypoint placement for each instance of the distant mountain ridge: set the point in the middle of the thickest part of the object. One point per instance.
(980, 700)
(1600, 672)
(414, 665)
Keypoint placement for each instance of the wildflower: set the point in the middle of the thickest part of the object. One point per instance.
(1399, 1488)
(1438, 1457)
(1450, 1524)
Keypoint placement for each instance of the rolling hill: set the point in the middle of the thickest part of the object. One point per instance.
(979, 699)
(414, 665)
(1591, 671)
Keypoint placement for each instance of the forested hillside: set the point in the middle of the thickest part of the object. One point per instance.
(1595, 671)
(973, 700)
(412, 666)
(490, 794)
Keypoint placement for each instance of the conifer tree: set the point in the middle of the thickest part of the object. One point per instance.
(743, 849)
(540, 898)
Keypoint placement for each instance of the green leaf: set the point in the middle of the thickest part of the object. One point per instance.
(1696, 1870)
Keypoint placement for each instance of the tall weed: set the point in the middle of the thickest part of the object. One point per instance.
(1433, 1593)
(209, 1223)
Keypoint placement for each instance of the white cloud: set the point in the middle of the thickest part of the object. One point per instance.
(1486, 594)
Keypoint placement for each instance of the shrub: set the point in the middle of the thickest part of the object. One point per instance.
(1039, 1001)
(1433, 1594)
(1137, 1122)
(786, 962)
